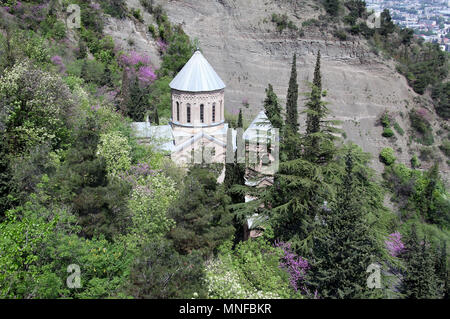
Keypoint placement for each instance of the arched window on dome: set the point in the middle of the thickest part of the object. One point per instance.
(202, 113)
(188, 113)
(214, 112)
(178, 111)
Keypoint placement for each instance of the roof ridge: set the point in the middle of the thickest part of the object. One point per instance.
(197, 75)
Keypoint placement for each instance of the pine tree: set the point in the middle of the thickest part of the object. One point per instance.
(427, 202)
(441, 270)
(294, 200)
(344, 246)
(419, 281)
(202, 216)
(292, 98)
(161, 272)
(319, 145)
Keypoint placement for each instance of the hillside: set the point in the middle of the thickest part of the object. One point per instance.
(248, 52)
(91, 207)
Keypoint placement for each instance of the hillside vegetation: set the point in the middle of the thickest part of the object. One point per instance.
(77, 189)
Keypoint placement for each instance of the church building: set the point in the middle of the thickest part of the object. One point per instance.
(197, 131)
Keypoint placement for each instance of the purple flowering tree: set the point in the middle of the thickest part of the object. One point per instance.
(295, 265)
(146, 74)
(394, 244)
(57, 60)
(134, 59)
(162, 46)
(138, 66)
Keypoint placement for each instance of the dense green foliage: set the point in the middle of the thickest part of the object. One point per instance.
(344, 246)
(202, 217)
(424, 65)
(77, 188)
(292, 99)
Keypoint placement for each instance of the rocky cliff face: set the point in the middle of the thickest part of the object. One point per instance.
(240, 41)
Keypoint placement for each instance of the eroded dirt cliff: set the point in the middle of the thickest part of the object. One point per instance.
(240, 41)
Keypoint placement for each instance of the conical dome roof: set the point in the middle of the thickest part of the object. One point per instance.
(197, 76)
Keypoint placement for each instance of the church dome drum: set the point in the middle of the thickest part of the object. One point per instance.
(197, 95)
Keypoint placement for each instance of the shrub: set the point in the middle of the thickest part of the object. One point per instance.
(422, 126)
(91, 71)
(251, 270)
(37, 106)
(387, 156)
(398, 128)
(385, 120)
(440, 95)
(388, 132)
(148, 5)
(445, 147)
(341, 35)
(115, 8)
(137, 14)
(394, 244)
(310, 22)
(331, 7)
(283, 22)
(426, 154)
(415, 162)
(114, 148)
(152, 30)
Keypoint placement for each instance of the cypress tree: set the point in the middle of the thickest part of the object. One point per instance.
(240, 121)
(234, 183)
(272, 108)
(156, 116)
(235, 174)
(291, 100)
(319, 146)
(315, 110)
(317, 81)
(427, 204)
(344, 246)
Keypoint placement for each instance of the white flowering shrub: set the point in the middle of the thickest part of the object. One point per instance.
(150, 200)
(36, 107)
(226, 282)
(114, 148)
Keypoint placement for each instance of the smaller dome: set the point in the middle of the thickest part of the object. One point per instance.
(197, 76)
